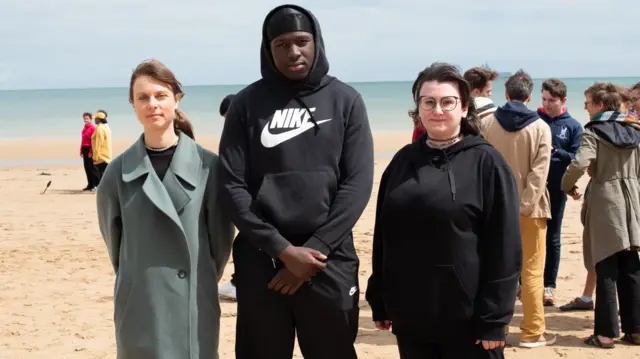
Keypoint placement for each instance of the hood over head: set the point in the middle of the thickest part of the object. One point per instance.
(290, 18)
(515, 115)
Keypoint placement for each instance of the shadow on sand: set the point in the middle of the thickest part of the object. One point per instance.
(67, 192)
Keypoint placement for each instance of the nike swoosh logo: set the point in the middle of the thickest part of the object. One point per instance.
(270, 140)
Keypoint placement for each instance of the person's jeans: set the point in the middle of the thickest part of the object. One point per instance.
(554, 228)
(533, 251)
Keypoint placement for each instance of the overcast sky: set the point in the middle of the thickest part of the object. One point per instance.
(89, 43)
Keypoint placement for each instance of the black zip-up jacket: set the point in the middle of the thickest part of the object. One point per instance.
(298, 165)
(447, 250)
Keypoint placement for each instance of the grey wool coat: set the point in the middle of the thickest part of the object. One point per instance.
(168, 243)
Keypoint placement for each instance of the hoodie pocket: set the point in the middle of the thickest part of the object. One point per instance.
(455, 303)
(297, 203)
(433, 304)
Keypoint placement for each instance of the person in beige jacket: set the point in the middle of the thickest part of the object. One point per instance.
(611, 236)
(525, 142)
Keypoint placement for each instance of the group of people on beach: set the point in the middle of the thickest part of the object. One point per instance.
(549, 152)
(461, 212)
(95, 147)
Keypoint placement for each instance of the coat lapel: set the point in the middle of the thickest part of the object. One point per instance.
(182, 177)
(174, 193)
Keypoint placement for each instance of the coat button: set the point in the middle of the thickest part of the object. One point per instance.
(182, 274)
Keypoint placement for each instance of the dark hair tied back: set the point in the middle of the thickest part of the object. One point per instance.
(158, 71)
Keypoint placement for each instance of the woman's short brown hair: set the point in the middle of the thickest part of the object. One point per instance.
(606, 93)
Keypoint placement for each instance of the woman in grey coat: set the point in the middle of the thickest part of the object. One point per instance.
(167, 237)
(612, 219)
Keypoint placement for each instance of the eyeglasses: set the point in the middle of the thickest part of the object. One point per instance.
(447, 103)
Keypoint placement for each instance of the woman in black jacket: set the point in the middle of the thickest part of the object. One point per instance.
(447, 251)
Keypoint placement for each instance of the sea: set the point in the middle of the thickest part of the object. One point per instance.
(57, 113)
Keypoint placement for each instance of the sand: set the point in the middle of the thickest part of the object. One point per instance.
(56, 283)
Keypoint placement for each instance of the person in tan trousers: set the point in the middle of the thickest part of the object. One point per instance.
(525, 142)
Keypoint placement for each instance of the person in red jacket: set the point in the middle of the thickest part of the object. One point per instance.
(86, 153)
(418, 130)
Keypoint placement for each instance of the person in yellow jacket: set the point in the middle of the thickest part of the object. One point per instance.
(101, 143)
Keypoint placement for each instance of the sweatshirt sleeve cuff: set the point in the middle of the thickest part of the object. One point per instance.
(378, 312)
(563, 155)
(493, 332)
(319, 245)
(278, 244)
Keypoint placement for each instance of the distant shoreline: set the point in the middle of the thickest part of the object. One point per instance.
(66, 152)
(506, 73)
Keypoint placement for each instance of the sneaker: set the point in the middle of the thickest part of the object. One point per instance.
(545, 339)
(227, 291)
(577, 304)
(549, 299)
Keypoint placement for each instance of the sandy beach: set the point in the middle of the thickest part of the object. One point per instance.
(56, 283)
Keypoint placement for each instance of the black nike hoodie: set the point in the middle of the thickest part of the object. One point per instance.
(298, 164)
(447, 250)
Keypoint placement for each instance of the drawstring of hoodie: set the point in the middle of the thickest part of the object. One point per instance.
(449, 169)
(452, 181)
(437, 162)
(313, 120)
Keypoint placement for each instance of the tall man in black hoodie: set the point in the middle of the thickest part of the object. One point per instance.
(297, 152)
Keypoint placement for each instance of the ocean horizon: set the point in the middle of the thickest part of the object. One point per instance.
(57, 113)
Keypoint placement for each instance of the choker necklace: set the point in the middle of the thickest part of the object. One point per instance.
(162, 149)
(440, 144)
